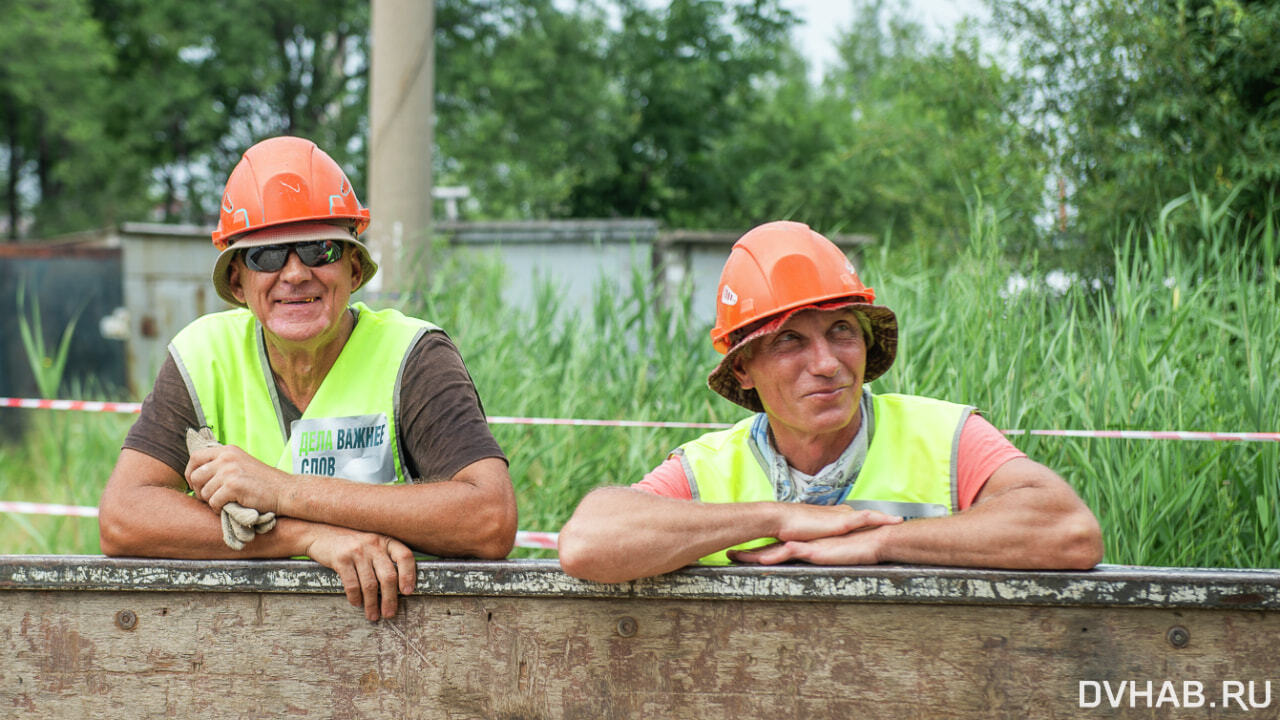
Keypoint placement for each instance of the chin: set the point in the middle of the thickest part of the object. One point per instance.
(295, 330)
(833, 419)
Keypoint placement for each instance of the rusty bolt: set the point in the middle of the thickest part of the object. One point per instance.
(126, 620)
(627, 626)
(1178, 636)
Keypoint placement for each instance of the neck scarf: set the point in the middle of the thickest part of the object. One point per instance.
(830, 484)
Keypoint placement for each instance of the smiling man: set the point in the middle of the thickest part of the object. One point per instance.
(350, 435)
(825, 471)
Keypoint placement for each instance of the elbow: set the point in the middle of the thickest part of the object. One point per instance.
(495, 534)
(1081, 546)
(108, 545)
(112, 538)
(581, 558)
(575, 559)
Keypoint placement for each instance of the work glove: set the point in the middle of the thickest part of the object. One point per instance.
(239, 523)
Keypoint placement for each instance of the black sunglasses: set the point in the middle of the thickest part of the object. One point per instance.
(313, 253)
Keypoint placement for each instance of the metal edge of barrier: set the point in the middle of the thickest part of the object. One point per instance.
(1107, 585)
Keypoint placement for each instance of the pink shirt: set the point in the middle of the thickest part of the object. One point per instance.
(983, 448)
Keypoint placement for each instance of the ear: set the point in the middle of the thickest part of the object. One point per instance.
(357, 269)
(739, 370)
(233, 280)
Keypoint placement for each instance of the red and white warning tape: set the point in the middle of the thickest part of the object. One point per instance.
(89, 406)
(135, 408)
(121, 407)
(1155, 435)
(30, 508)
(524, 538)
(533, 539)
(504, 420)
(545, 540)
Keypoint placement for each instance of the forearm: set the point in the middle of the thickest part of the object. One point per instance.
(451, 518)
(619, 534)
(1018, 530)
(155, 521)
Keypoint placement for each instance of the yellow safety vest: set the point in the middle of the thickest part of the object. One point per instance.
(910, 468)
(349, 427)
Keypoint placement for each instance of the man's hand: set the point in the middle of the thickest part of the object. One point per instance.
(822, 535)
(224, 474)
(375, 569)
(801, 521)
(619, 534)
(859, 547)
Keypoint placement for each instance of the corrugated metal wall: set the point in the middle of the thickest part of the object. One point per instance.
(68, 281)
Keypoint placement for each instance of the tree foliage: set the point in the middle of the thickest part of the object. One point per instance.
(132, 109)
(901, 136)
(197, 83)
(51, 84)
(700, 113)
(690, 76)
(525, 110)
(1140, 100)
(555, 112)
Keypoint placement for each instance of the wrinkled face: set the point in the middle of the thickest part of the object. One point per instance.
(298, 304)
(809, 373)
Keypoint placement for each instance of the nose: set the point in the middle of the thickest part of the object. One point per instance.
(294, 271)
(823, 361)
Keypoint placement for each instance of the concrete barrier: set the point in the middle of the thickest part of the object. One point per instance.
(90, 637)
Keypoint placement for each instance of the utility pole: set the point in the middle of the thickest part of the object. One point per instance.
(401, 81)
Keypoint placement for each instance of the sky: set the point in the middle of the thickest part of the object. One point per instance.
(822, 20)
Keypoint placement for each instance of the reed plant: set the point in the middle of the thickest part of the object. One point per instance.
(1182, 332)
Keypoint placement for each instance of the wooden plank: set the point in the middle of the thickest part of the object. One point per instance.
(1108, 585)
(275, 655)
(521, 640)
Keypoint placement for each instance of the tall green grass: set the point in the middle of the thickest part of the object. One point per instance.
(1173, 338)
(63, 458)
(1182, 333)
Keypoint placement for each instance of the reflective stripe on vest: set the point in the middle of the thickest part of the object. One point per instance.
(349, 427)
(910, 469)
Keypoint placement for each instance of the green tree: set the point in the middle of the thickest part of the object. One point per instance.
(1141, 99)
(526, 108)
(548, 110)
(900, 138)
(690, 74)
(51, 82)
(118, 110)
(197, 83)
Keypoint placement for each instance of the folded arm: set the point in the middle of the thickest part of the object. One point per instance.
(618, 534)
(472, 514)
(1025, 517)
(363, 532)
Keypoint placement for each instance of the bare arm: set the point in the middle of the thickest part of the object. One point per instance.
(472, 514)
(145, 512)
(1025, 517)
(618, 534)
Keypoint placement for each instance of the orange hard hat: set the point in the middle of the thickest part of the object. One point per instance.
(776, 267)
(285, 180)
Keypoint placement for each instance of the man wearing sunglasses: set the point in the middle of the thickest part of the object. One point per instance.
(357, 431)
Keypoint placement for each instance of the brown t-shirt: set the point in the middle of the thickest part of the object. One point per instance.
(441, 427)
